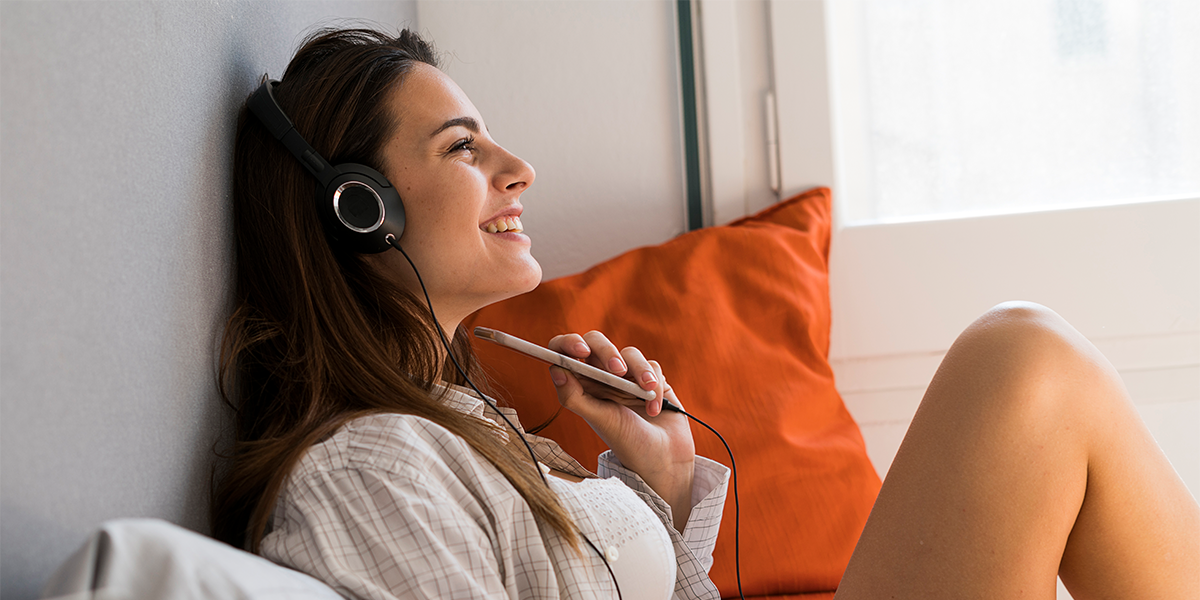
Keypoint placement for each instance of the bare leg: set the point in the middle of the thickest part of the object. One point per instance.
(1026, 459)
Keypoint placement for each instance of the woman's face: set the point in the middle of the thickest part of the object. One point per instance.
(461, 192)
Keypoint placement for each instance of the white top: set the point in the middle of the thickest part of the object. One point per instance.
(394, 506)
(638, 549)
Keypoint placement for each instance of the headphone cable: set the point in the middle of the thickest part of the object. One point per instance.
(737, 525)
(737, 510)
(391, 240)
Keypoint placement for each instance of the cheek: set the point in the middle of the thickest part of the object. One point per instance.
(427, 207)
(442, 195)
(442, 226)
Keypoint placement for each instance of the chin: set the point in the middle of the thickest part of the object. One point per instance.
(526, 277)
(532, 276)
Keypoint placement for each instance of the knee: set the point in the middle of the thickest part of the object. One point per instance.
(1020, 364)
(1030, 351)
(1024, 329)
(1022, 315)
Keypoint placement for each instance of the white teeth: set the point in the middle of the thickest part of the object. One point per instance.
(503, 224)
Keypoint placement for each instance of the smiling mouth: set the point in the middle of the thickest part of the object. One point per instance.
(505, 224)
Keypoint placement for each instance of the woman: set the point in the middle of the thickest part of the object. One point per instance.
(360, 459)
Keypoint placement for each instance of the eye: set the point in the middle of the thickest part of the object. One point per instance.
(466, 144)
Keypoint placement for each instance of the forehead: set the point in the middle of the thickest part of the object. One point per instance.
(426, 99)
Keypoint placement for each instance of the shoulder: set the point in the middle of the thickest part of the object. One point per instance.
(388, 503)
(387, 443)
(383, 466)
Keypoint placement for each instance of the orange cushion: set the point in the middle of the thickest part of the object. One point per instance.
(738, 316)
(809, 596)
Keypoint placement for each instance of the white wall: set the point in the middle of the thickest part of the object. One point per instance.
(587, 92)
(115, 141)
(1128, 277)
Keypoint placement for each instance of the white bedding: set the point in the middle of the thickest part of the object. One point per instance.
(135, 559)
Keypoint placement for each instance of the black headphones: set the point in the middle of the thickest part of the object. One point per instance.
(358, 205)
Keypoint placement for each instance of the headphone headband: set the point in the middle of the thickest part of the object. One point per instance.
(264, 106)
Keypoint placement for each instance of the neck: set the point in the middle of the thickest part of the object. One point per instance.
(439, 347)
(448, 328)
(448, 321)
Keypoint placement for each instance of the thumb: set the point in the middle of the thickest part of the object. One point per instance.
(573, 398)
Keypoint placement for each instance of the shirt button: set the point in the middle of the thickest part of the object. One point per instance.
(611, 554)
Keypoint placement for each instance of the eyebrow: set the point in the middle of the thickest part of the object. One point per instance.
(468, 122)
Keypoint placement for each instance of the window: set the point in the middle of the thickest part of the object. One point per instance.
(944, 106)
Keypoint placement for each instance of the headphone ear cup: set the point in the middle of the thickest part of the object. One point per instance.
(357, 204)
(360, 208)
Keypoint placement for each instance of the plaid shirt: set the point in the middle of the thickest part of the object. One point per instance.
(395, 506)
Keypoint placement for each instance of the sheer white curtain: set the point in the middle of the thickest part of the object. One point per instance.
(998, 106)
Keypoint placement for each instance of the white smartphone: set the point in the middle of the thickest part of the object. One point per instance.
(578, 367)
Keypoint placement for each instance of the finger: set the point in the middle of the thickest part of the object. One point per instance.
(604, 353)
(669, 395)
(570, 393)
(654, 407)
(571, 344)
(664, 393)
(601, 390)
(647, 374)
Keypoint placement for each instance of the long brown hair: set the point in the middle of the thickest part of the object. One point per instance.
(316, 338)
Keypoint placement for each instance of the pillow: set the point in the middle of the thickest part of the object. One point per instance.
(151, 559)
(739, 317)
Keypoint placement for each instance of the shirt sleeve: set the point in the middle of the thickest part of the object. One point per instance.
(710, 484)
(378, 534)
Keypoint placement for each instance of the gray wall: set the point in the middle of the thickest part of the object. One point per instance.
(115, 141)
(117, 123)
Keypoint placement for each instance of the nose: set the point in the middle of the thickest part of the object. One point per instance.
(515, 175)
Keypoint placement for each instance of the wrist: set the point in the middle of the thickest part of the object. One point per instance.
(676, 489)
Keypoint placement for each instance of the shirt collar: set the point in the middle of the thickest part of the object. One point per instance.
(462, 399)
(465, 400)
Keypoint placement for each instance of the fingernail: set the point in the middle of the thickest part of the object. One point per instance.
(615, 364)
(582, 348)
(649, 377)
(558, 376)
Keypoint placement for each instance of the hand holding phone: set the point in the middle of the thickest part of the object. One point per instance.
(575, 366)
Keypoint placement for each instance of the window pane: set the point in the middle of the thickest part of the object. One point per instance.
(982, 105)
